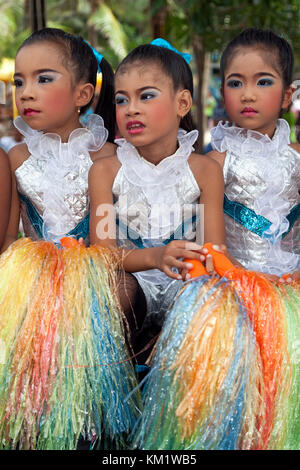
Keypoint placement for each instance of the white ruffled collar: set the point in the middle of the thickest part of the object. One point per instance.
(246, 141)
(166, 173)
(59, 161)
(49, 145)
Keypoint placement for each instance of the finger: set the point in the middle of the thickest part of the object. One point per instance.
(177, 253)
(285, 280)
(185, 274)
(192, 246)
(190, 254)
(177, 263)
(168, 271)
(209, 265)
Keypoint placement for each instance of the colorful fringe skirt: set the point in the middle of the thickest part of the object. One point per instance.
(225, 374)
(65, 370)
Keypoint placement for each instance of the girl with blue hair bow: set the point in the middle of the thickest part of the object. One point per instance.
(154, 186)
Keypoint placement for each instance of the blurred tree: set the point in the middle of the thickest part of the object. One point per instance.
(113, 26)
(13, 27)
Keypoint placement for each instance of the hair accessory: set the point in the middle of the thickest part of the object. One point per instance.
(97, 54)
(163, 43)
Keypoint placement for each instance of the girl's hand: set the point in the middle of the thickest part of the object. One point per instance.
(295, 276)
(172, 255)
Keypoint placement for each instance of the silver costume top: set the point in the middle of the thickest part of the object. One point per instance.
(262, 201)
(53, 181)
(155, 204)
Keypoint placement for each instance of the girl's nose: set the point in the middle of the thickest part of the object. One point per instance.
(132, 108)
(248, 94)
(27, 92)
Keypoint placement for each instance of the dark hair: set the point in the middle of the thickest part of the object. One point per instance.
(173, 65)
(264, 40)
(79, 57)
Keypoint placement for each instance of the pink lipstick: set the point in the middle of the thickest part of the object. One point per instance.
(249, 112)
(135, 127)
(30, 112)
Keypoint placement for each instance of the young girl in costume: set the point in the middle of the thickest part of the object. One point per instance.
(261, 168)
(227, 361)
(154, 184)
(72, 85)
(5, 194)
(65, 370)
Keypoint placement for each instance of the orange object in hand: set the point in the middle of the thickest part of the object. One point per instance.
(67, 242)
(198, 269)
(221, 263)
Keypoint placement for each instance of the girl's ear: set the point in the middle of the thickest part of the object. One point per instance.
(184, 102)
(287, 97)
(85, 93)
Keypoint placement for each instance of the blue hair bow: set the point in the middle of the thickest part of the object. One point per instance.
(163, 43)
(97, 54)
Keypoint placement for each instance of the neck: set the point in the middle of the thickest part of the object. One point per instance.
(156, 156)
(64, 130)
(157, 151)
(268, 129)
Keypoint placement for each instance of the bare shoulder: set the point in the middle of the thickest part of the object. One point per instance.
(217, 156)
(105, 167)
(17, 155)
(296, 147)
(203, 163)
(4, 160)
(205, 169)
(107, 150)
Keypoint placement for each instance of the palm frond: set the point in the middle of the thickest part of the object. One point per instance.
(106, 23)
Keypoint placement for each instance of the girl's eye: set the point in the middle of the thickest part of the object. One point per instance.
(120, 100)
(44, 79)
(234, 83)
(18, 82)
(148, 95)
(265, 82)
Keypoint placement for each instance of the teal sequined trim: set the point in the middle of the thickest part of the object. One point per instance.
(133, 236)
(246, 217)
(254, 222)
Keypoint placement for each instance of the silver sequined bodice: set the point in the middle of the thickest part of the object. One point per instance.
(53, 181)
(244, 185)
(155, 223)
(76, 200)
(262, 175)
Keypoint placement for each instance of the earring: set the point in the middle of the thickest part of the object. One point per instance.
(78, 110)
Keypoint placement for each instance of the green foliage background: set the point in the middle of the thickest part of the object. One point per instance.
(115, 27)
(120, 25)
